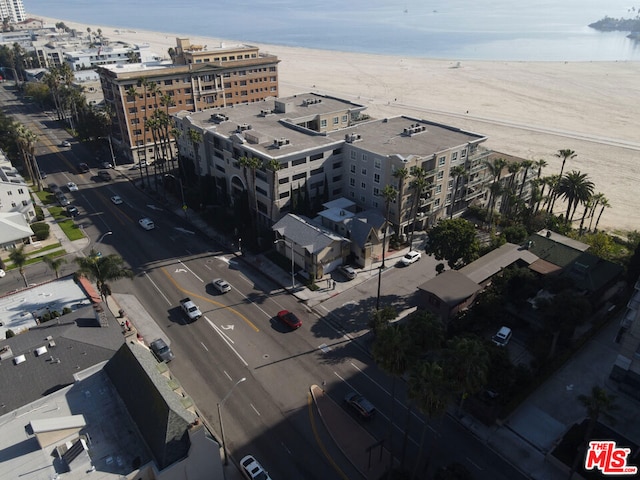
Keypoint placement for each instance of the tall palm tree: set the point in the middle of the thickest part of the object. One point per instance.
(132, 92)
(457, 173)
(144, 83)
(526, 166)
(401, 175)
(102, 270)
(604, 203)
(418, 186)
(167, 102)
(273, 166)
(495, 169)
(552, 182)
(249, 166)
(540, 164)
(575, 188)
(599, 404)
(564, 155)
(19, 259)
(389, 193)
(54, 263)
(596, 199)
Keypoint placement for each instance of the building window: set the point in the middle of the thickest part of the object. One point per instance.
(438, 188)
(352, 182)
(363, 185)
(323, 123)
(337, 178)
(440, 175)
(352, 168)
(317, 171)
(376, 191)
(454, 156)
(299, 161)
(375, 204)
(25, 203)
(20, 191)
(363, 171)
(377, 163)
(336, 192)
(284, 194)
(463, 153)
(376, 178)
(283, 180)
(364, 157)
(300, 176)
(353, 154)
(9, 192)
(336, 120)
(436, 203)
(317, 156)
(344, 119)
(442, 161)
(337, 165)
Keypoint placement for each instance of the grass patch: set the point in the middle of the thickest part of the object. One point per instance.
(59, 253)
(58, 213)
(48, 247)
(71, 230)
(46, 197)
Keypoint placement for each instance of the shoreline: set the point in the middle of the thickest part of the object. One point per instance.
(527, 109)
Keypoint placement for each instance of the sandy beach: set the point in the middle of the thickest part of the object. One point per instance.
(527, 109)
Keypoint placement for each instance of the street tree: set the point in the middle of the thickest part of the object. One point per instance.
(103, 270)
(19, 258)
(454, 240)
(54, 263)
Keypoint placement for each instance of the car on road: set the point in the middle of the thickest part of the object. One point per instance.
(43, 174)
(147, 223)
(252, 469)
(502, 337)
(161, 350)
(83, 167)
(137, 166)
(348, 271)
(289, 319)
(410, 257)
(53, 188)
(116, 199)
(72, 187)
(73, 211)
(104, 175)
(106, 165)
(360, 405)
(63, 201)
(2, 273)
(221, 285)
(65, 143)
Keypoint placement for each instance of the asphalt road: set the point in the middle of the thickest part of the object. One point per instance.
(269, 415)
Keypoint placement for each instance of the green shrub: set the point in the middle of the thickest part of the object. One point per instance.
(41, 230)
(10, 333)
(39, 213)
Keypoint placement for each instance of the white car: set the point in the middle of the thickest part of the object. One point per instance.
(66, 143)
(2, 273)
(147, 223)
(221, 285)
(117, 200)
(411, 257)
(72, 187)
(252, 469)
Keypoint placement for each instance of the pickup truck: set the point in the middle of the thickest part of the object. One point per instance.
(190, 309)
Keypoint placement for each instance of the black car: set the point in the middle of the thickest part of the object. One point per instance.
(83, 168)
(73, 211)
(104, 175)
(161, 350)
(360, 405)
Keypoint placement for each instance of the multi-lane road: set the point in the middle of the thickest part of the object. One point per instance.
(269, 414)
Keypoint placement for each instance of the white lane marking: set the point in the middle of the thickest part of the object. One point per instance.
(204, 346)
(226, 340)
(194, 274)
(226, 327)
(157, 288)
(325, 348)
(474, 463)
(188, 252)
(228, 376)
(180, 270)
(208, 266)
(285, 447)
(255, 409)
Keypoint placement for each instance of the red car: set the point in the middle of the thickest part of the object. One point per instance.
(289, 319)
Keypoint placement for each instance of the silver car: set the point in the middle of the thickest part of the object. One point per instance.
(221, 285)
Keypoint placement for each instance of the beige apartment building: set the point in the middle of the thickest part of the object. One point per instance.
(208, 78)
(331, 149)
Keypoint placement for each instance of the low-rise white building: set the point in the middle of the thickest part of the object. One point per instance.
(14, 192)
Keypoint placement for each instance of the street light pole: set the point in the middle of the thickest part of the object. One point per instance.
(104, 235)
(293, 278)
(224, 445)
(113, 157)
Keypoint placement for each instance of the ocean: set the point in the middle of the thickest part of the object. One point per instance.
(509, 30)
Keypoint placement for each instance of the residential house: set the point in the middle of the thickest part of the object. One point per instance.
(448, 294)
(315, 249)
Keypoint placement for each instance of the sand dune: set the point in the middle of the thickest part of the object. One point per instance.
(528, 109)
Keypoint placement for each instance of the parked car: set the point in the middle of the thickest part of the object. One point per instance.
(72, 187)
(161, 350)
(348, 272)
(63, 201)
(252, 469)
(53, 188)
(116, 199)
(106, 165)
(290, 319)
(137, 166)
(83, 167)
(73, 211)
(2, 273)
(65, 143)
(502, 336)
(104, 175)
(360, 405)
(147, 223)
(411, 257)
(221, 285)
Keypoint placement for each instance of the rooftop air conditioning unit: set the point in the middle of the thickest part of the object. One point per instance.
(19, 359)
(41, 351)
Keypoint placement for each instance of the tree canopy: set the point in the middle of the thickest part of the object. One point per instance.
(454, 240)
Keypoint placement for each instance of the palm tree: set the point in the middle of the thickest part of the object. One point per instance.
(418, 185)
(249, 166)
(540, 164)
(144, 83)
(19, 259)
(598, 404)
(468, 361)
(390, 351)
(552, 182)
(565, 155)
(103, 269)
(54, 263)
(495, 169)
(401, 175)
(133, 93)
(273, 166)
(604, 203)
(389, 193)
(596, 199)
(526, 165)
(576, 189)
(457, 172)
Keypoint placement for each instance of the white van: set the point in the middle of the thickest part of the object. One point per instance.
(502, 337)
